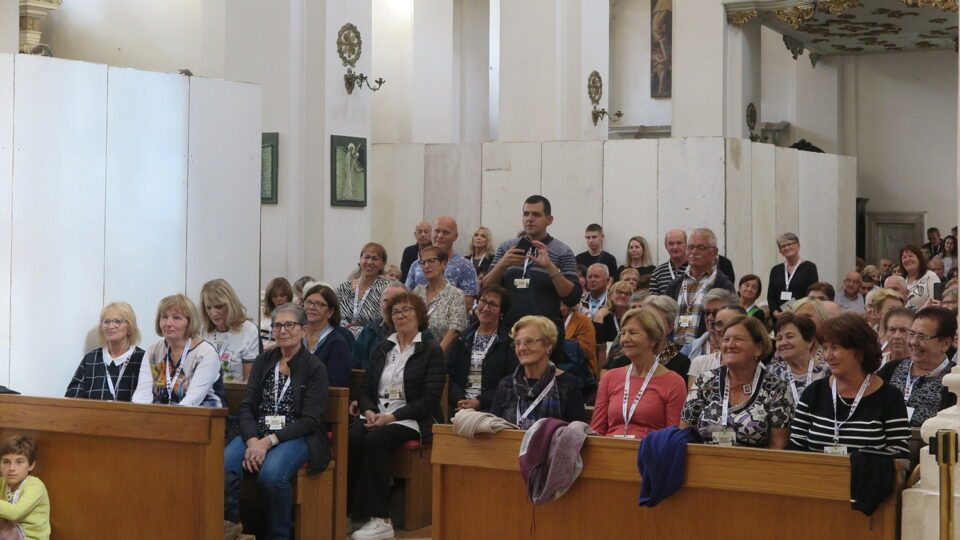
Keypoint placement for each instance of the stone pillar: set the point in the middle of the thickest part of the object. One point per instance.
(742, 77)
(31, 13)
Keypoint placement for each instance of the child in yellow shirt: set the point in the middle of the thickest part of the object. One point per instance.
(25, 506)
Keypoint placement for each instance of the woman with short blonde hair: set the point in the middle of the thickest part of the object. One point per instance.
(110, 371)
(181, 368)
(228, 328)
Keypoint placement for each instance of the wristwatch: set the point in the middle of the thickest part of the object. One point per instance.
(273, 440)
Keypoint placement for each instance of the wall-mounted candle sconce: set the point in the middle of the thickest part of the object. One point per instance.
(349, 47)
(595, 92)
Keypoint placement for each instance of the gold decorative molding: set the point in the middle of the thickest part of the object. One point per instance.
(740, 18)
(797, 15)
(31, 11)
(836, 7)
(943, 5)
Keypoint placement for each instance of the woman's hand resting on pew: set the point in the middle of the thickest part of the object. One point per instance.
(256, 452)
(375, 420)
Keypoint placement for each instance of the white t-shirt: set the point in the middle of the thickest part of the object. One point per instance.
(921, 290)
(703, 364)
(235, 347)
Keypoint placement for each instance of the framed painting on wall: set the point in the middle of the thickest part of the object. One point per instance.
(661, 39)
(269, 161)
(348, 171)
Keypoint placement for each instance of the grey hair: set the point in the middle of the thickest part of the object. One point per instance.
(663, 303)
(606, 271)
(711, 237)
(787, 237)
(728, 298)
(289, 307)
(640, 296)
(396, 283)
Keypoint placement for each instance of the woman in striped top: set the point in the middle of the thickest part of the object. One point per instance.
(359, 298)
(853, 408)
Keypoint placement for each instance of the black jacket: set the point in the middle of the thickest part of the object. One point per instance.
(423, 379)
(500, 361)
(310, 387)
(804, 276)
(721, 282)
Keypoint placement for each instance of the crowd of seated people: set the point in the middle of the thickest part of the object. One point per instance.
(529, 330)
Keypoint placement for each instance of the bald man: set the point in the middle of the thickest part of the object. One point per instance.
(676, 243)
(850, 298)
(411, 253)
(460, 272)
(897, 283)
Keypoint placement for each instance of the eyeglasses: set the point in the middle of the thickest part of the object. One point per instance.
(402, 312)
(717, 325)
(315, 304)
(111, 322)
(429, 262)
(526, 342)
(488, 304)
(922, 338)
(785, 245)
(288, 326)
(622, 293)
(699, 247)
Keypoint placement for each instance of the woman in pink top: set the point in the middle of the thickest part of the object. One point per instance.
(646, 394)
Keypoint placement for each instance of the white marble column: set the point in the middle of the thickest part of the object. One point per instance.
(742, 77)
(699, 32)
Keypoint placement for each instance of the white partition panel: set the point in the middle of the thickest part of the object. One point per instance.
(6, 184)
(398, 204)
(58, 208)
(818, 212)
(146, 190)
(511, 173)
(223, 191)
(739, 202)
(451, 186)
(572, 179)
(629, 194)
(691, 187)
(788, 194)
(847, 216)
(764, 210)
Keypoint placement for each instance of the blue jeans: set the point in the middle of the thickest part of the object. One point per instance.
(279, 467)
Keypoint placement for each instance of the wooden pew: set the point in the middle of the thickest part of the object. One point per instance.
(320, 500)
(728, 493)
(120, 470)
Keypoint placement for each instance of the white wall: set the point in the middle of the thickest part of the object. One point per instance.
(6, 187)
(474, 65)
(9, 26)
(699, 30)
(392, 59)
(629, 84)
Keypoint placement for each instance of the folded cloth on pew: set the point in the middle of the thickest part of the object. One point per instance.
(661, 461)
(550, 457)
(871, 479)
(469, 422)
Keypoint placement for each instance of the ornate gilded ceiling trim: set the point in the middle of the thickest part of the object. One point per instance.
(836, 7)
(943, 5)
(797, 15)
(740, 18)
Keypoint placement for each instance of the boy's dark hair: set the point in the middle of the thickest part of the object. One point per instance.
(20, 446)
(594, 227)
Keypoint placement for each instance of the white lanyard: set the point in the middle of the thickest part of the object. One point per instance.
(594, 305)
(171, 379)
(701, 292)
(670, 268)
(536, 402)
(908, 387)
(477, 264)
(788, 277)
(481, 355)
(526, 263)
(113, 391)
(357, 300)
(566, 323)
(725, 391)
(856, 401)
(276, 384)
(616, 323)
(323, 336)
(793, 383)
(636, 400)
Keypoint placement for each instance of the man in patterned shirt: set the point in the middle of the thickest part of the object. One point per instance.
(459, 272)
(689, 288)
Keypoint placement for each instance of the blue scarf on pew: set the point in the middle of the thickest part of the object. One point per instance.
(661, 461)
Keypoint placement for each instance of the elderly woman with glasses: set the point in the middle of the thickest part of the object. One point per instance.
(323, 335)
(281, 424)
(359, 298)
(790, 279)
(399, 402)
(446, 308)
(110, 371)
(181, 368)
(537, 389)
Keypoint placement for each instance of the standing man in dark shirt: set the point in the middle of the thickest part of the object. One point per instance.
(935, 243)
(538, 270)
(412, 253)
(595, 253)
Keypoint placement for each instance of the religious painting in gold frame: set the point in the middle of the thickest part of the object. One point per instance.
(661, 48)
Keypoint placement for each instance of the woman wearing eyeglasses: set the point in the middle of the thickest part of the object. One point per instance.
(281, 425)
(360, 298)
(790, 279)
(482, 355)
(181, 368)
(920, 377)
(110, 371)
(321, 336)
(446, 308)
(537, 389)
(399, 402)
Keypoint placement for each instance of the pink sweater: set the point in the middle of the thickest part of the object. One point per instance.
(660, 406)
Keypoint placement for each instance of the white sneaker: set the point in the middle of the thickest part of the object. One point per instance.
(375, 529)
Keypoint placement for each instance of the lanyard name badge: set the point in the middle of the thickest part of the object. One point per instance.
(394, 389)
(523, 282)
(628, 415)
(476, 363)
(793, 382)
(123, 367)
(686, 303)
(837, 448)
(786, 295)
(172, 379)
(908, 385)
(277, 421)
(323, 336)
(543, 394)
(723, 434)
(357, 300)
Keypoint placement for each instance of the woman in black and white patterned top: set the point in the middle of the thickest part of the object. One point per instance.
(446, 309)
(853, 408)
(360, 297)
(110, 372)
